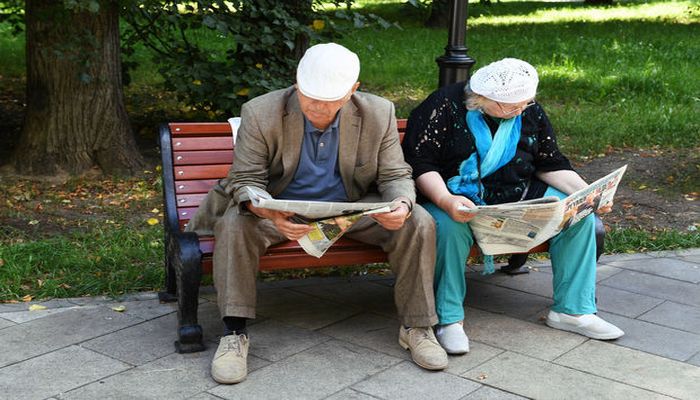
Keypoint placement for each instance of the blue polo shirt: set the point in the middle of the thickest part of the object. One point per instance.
(318, 174)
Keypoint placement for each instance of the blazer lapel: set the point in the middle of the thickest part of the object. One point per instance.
(350, 124)
(293, 135)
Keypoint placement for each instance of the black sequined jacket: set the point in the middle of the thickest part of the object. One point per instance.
(438, 139)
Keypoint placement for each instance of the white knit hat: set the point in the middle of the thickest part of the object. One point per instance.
(327, 72)
(509, 81)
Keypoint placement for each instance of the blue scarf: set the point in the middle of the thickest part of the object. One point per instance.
(491, 154)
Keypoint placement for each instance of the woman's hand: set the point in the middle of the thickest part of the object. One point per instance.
(289, 229)
(450, 203)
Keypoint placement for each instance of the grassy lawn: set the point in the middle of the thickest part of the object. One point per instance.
(625, 76)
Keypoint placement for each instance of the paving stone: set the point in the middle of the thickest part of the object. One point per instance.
(204, 396)
(623, 302)
(300, 309)
(478, 354)
(312, 374)
(675, 315)
(369, 296)
(489, 393)
(667, 267)
(5, 323)
(373, 331)
(40, 336)
(695, 259)
(506, 333)
(543, 380)
(694, 360)
(273, 341)
(177, 376)
(655, 339)
(606, 258)
(21, 317)
(138, 344)
(56, 372)
(504, 301)
(416, 383)
(676, 253)
(665, 288)
(349, 394)
(635, 368)
(535, 282)
(145, 309)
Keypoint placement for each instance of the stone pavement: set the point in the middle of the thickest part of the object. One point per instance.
(334, 338)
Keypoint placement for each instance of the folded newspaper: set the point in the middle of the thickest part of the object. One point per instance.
(330, 220)
(520, 226)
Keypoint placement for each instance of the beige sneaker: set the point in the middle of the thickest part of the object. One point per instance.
(425, 349)
(230, 360)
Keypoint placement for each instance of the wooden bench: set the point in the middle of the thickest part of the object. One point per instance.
(195, 156)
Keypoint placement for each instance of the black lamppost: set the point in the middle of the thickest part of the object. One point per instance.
(455, 63)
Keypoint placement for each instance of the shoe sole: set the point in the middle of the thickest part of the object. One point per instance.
(225, 381)
(566, 327)
(405, 345)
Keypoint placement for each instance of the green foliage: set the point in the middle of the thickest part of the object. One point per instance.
(261, 43)
(635, 240)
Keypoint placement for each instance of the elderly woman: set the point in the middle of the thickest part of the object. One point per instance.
(487, 141)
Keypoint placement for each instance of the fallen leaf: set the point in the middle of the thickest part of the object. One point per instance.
(36, 307)
(152, 221)
(119, 308)
(27, 298)
(642, 187)
(155, 210)
(2, 262)
(33, 222)
(482, 377)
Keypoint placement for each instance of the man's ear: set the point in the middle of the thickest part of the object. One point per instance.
(354, 87)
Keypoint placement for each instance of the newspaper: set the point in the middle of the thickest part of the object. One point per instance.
(520, 226)
(330, 220)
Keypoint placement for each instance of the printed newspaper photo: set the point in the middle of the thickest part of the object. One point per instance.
(329, 219)
(518, 227)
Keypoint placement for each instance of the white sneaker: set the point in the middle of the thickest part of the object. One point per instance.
(589, 325)
(452, 338)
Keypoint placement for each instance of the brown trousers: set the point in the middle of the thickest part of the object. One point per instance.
(242, 239)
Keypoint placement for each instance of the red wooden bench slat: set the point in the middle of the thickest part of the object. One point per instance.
(199, 128)
(203, 157)
(202, 143)
(194, 186)
(190, 200)
(201, 171)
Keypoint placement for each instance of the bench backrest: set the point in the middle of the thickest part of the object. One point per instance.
(195, 156)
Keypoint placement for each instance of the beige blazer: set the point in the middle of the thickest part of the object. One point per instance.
(268, 147)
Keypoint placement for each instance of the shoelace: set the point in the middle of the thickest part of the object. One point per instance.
(233, 344)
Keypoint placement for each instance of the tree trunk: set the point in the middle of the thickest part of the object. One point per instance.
(75, 116)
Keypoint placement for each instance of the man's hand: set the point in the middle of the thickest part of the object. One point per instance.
(394, 219)
(289, 229)
(450, 204)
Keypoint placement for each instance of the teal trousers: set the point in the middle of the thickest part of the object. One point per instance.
(572, 252)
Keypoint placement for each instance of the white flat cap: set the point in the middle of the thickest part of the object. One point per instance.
(509, 81)
(327, 72)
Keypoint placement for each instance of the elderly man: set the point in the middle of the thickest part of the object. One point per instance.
(319, 140)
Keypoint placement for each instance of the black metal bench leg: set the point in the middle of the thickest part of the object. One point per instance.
(170, 293)
(186, 258)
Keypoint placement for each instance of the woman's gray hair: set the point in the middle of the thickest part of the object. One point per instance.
(473, 101)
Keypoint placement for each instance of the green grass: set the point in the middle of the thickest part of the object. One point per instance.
(635, 240)
(110, 261)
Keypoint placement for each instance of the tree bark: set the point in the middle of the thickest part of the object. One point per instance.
(75, 116)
